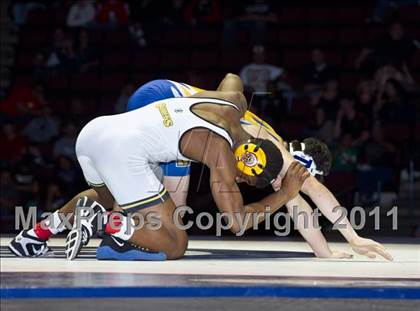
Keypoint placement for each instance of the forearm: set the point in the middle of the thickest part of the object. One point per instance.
(326, 202)
(270, 203)
(302, 215)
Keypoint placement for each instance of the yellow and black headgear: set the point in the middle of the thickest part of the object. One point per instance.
(260, 158)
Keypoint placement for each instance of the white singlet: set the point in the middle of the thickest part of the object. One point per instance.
(121, 151)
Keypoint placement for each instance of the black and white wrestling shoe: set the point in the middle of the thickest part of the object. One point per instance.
(27, 244)
(88, 219)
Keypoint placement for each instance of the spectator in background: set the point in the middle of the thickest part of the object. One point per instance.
(9, 197)
(25, 176)
(258, 74)
(395, 48)
(21, 9)
(351, 122)
(64, 185)
(23, 103)
(320, 127)
(345, 154)
(12, 145)
(317, 72)
(392, 103)
(121, 103)
(377, 162)
(86, 54)
(79, 113)
(328, 100)
(43, 128)
(65, 146)
(253, 17)
(202, 12)
(259, 77)
(112, 14)
(382, 5)
(60, 55)
(366, 99)
(81, 14)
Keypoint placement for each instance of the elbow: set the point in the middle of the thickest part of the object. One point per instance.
(232, 76)
(239, 99)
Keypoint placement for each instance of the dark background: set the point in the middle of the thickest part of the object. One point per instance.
(350, 73)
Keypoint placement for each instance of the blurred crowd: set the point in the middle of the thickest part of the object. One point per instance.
(38, 159)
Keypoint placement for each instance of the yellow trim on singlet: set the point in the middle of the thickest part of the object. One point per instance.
(248, 116)
(253, 119)
(144, 201)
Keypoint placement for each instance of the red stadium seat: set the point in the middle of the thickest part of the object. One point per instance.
(176, 38)
(33, 39)
(117, 38)
(375, 32)
(349, 81)
(409, 14)
(142, 78)
(349, 15)
(352, 36)
(38, 17)
(414, 63)
(301, 107)
(342, 184)
(209, 80)
(333, 56)
(295, 58)
(417, 132)
(291, 129)
(234, 59)
(292, 15)
(85, 82)
(201, 59)
(59, 82)
(292, 36)
(112, 83)
(398, 133)
(146, 59)
(107, 105)
(207, 38)
(113, 59)
(318, 15)
(322, 36)
(23, 79)
(24, 61)
(172, 59)
(96, 36)
(350, 58)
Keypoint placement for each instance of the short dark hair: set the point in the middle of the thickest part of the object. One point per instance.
(274, 163)
(318, 151)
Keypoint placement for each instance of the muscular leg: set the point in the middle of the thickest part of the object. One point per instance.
(177, 187)
(168, 238)
(99, 194)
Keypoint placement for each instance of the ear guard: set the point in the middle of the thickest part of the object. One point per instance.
(251, 159)
(304, 159)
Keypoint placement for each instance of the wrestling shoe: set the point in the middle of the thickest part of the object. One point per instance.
(113, 248)
(27, 244)
(88, 219)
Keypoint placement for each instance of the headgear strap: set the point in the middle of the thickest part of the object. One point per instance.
(305, 159)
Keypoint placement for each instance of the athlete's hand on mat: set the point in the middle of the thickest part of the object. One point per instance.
(294, 179)
(340, 255)
(369, 248)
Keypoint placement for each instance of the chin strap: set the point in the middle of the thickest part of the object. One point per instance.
(305, 159)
